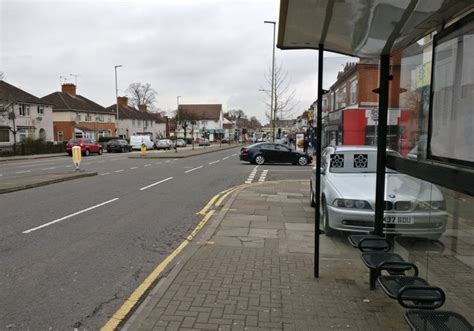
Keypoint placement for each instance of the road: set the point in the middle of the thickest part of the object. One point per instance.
(72, 252)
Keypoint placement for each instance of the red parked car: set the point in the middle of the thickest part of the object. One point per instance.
(88, 146)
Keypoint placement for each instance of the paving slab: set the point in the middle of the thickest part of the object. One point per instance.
(260, 277)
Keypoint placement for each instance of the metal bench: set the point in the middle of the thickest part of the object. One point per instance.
(393, 284)
(421, 302)
(375, 252)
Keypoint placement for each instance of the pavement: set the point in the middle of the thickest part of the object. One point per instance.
(251, 268)
(29, 157)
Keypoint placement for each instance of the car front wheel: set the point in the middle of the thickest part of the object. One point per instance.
(100, 151)
(87, 152)
(302, 161)
(325, 216)
(259, 159)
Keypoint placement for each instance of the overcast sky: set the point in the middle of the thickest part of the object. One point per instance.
(206, 51)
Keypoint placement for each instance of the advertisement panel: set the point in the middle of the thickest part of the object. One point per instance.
(300, 142)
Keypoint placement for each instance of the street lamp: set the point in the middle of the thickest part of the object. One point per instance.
(116, 98)
(272, 111)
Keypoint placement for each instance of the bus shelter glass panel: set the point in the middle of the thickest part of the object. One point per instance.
(433, 226)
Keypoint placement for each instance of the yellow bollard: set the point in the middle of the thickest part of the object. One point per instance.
(143, 149)
(76, 156)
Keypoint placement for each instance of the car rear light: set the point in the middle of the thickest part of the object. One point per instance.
(243, 150)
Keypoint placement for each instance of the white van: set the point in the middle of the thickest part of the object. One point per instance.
(137, 141)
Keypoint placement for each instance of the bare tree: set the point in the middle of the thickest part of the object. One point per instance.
(284, 98)
(141, 94)
(254, 124)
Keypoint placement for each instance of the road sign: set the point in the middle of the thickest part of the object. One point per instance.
(76, 156)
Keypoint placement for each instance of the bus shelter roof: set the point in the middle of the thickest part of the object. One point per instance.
(363, 28)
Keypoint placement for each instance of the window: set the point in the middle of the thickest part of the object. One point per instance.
(99, 118)
(133, 123)
(60, 136)
(24, 110)
(109, 119)
(4, 136)
(88, 117)
(78, 118)
(353, 99)
(40, 110)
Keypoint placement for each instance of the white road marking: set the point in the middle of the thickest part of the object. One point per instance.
(263, 176)
(132, 168)
(23, 172)
(69, 216)
(168, 161)
(225, 158)
(105, 173)
(214, 162)
(151, 185)
(50, 168)
(118, 170)
(174, 159)
(88, 163)
(158, 162)
(252, 175)
(68, 166)
(192, 169)
(234, 154)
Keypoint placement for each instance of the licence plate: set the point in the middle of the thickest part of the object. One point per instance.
(398, 220)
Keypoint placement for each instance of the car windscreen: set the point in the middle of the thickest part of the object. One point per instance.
(74, 141)
(353, 162)
(114, 141)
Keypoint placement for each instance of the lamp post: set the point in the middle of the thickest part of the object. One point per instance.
(116, 99)
(272, 112)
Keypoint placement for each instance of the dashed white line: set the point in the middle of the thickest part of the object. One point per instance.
(50, 168)
(234, 154)
(118, 170)
(69, 216)
(151, 185)
(105, 173)
(225, 158)
(23, 172)
(214, 162)
(68, 166)
(147, 165)
(133, 168)
(168, 161)
(192, 169)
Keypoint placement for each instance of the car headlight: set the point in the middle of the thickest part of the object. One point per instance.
(351, 203)
(431, 205)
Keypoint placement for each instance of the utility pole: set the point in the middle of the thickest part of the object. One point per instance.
(177, 122)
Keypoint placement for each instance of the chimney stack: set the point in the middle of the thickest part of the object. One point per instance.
(69, 89)
(122, 101)
(142, 108)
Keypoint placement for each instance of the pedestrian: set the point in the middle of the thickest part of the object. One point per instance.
(305, 144)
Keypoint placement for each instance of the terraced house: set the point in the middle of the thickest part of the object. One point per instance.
(75, 116)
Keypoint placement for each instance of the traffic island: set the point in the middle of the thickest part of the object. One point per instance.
(181, 153)
(13, 184)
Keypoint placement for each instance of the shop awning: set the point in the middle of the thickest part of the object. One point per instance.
(362, 28)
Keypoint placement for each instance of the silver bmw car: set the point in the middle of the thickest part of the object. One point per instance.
(413, 207)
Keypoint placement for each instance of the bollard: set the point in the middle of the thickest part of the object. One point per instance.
(76, 156)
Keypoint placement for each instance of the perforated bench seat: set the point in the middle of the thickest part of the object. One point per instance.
(392, 285)
(373, 260)
(436, 320)
(354, 239)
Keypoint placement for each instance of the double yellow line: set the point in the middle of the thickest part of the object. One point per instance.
(145, 286)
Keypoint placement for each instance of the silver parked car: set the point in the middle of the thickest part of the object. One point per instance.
(413, 207)
(180, 143)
